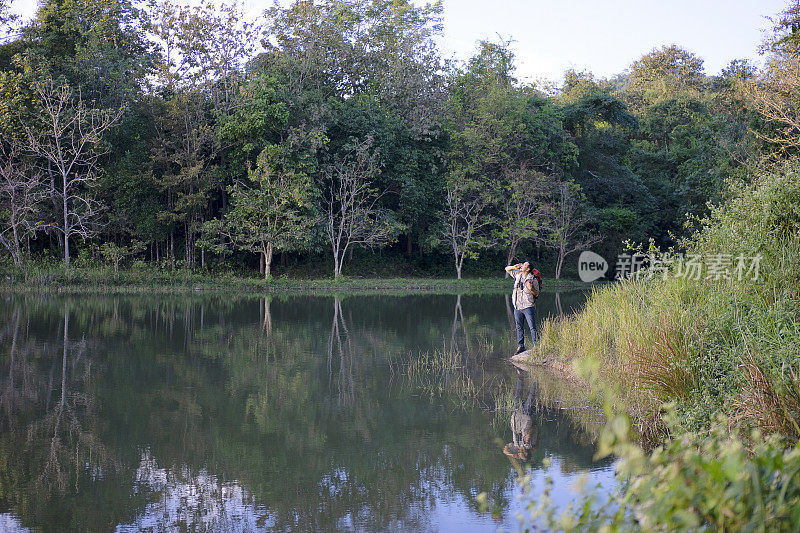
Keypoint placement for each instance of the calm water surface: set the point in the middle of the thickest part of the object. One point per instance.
(295, 413)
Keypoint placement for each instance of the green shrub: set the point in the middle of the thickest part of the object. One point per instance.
(697, 481)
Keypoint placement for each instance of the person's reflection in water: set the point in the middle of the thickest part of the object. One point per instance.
(525, 432)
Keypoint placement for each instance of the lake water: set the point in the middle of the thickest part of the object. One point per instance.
(283, 413)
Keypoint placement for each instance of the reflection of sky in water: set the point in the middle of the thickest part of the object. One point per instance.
(194, 501)
(564, 489)
(202, 502)
(183, 500)
(455, 515)
(11, 524)
(262, 414)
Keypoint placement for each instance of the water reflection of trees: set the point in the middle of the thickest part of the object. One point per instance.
(340, 347)
(294, 405)
(319, 426)
(466, 370)
(50, 443)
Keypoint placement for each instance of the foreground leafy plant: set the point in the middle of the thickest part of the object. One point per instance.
(698, 481)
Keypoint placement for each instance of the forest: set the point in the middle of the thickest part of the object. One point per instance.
(334, 137)
(333, 141)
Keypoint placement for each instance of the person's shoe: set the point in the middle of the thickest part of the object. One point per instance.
(519, 350)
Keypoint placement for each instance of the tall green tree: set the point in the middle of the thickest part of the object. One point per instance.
(22, 194)
(662, 73)
(677, 150)
(498, 132)
(22, 190)
(98, 46)
(351, 214)
(601, 126)
(357, 69)
(524, 207)
(275, 210)
(101, 49)
(199, 75)
(566, 225)
(772, 91)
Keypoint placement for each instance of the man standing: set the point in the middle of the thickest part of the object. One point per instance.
(526, 290)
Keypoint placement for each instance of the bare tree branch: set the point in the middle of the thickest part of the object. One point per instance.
(350, 203)
(564, 224)
(21, 192)
(466, 220)
(68, 135)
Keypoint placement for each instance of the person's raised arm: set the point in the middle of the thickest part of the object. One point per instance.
(511, 268)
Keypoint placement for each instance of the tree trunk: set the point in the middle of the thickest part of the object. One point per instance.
(187, 247)
(66, 223)
(17, 250)
(267, 260)
(66, 251)
(15, 258)
(560, 262)
(337, 266)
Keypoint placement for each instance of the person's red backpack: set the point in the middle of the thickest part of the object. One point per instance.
(538, 275)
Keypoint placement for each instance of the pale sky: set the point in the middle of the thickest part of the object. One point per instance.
(604, 36)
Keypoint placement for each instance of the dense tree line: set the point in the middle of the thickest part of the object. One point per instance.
(192, 138)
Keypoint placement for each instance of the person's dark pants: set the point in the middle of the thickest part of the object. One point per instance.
(520, 315)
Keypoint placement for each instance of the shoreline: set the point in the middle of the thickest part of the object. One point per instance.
(563, 370)
(647, 431)
(83, 281)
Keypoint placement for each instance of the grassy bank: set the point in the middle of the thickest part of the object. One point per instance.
(721, 357)
(711, 345)
(52, 278)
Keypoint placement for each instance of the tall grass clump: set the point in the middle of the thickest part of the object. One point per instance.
(451, 372)
(711, 345)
